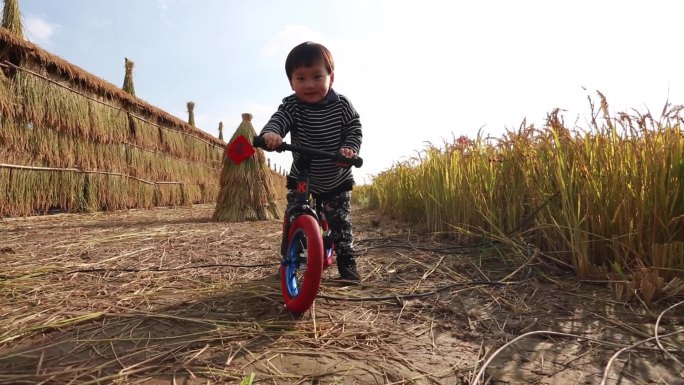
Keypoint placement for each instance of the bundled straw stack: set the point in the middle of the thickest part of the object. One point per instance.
(11, 18)
(128, 85)
(247, 190)
(191, 113)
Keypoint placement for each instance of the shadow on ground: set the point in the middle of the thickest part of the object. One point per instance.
(203, 332)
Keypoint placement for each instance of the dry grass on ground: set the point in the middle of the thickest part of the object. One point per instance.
(167, 296)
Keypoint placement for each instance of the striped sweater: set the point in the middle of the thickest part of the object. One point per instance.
(328, 126)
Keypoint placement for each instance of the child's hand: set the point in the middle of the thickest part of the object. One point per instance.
(347, 152)
(272, 140)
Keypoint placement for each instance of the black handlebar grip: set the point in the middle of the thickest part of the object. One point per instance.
(259, 142)
(355, 161)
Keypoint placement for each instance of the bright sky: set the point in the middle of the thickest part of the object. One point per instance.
(416, 71)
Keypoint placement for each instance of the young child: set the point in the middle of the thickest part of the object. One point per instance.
(316, 116)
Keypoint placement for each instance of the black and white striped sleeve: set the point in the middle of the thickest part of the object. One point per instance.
(280, 122)
(351, 131)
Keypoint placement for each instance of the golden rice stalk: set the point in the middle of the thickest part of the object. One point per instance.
(6, 95)
(142, 194)
(668, 258)
(68, 111)
(11, 18)
(193, 194)
(128, 77)
(649, 284)
(67, 191)
(146, 135)
(13, 83)
(53, 106)
(109, 125)
(10, 155)
(5, 177)
(145, 195)
(174, 144)
(89, 201)
(120, 193)
(38, 191)
(11, 135)
(165, 167)
(171, 194)
(177, 144)
(247, 190)
(210, 192)
(32, 97)
(213, 155)
(674, 287)
(58, 149)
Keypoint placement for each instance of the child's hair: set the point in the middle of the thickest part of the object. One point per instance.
(306, 55)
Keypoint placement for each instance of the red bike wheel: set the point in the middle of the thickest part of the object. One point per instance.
(302, 266)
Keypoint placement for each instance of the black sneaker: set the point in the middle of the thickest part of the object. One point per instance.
(349, 273)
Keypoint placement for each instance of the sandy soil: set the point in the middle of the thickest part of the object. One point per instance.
(167, 296)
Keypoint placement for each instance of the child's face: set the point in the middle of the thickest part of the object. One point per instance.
(311, 84)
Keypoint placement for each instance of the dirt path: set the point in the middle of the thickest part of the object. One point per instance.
(167, 296)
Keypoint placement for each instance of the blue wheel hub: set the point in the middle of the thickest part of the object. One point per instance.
(292, 262)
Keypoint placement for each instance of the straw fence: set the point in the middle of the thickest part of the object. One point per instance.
(73, 142)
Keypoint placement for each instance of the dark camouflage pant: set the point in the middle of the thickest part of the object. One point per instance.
(336, 209)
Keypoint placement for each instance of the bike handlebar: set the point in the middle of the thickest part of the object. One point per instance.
(258, 141)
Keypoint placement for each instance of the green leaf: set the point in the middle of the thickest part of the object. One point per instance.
(248, 380)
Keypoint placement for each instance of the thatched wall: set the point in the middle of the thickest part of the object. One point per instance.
(70, 141)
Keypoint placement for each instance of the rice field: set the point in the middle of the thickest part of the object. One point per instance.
(605, 202)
